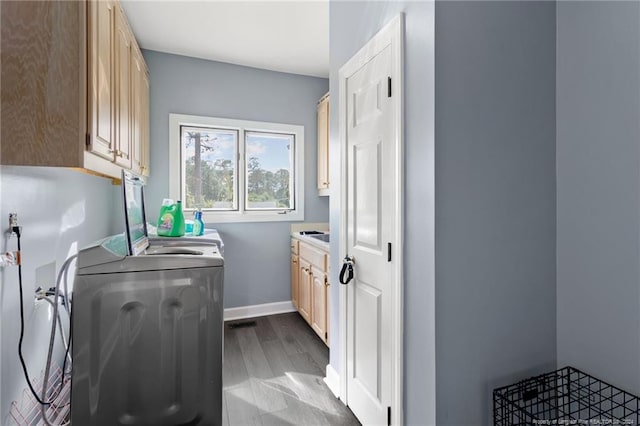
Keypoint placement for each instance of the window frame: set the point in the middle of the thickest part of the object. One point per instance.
(176, 180)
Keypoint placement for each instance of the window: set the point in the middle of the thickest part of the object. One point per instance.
(209, 168)
(236, 170)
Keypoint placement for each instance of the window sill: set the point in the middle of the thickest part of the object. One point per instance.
(209, 217)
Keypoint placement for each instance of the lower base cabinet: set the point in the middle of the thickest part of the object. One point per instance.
(310, 286)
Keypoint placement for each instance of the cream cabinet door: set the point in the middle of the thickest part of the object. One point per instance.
(295, 277)
(139, 114)
(101, 102)
(326, 309)
(304, 290)
(319, 302)
(144, 123)
(123, 92)
(323, 145)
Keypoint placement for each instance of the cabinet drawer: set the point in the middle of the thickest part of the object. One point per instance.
(316, 257)
(295, 245)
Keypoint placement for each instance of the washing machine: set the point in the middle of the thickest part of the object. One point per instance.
(147, 327)
(147, 336)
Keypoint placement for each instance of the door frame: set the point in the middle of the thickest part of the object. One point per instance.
(391, 34)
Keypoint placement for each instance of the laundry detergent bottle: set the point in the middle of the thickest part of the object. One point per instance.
(171, 219)
(198, 224)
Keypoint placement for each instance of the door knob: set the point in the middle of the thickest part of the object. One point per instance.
(347, 269)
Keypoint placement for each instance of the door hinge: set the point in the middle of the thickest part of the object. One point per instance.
(388, 252)
(87, 139)
(388, 416)
(388, 87)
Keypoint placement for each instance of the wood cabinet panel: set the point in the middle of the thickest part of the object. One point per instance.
(139, 114)
(327, 309)
(319, 302)
(304, 290)
(295, 246)
(67, 86)
(323, 145)
(101, 69)
(123, 91)
(312, 275)
(295, 278)
(144, 125)
(314, 256)
(43, 85)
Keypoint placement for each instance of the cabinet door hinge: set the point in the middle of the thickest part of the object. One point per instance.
(388, 87)
(87, 139)
(326, 336)
(388, 416)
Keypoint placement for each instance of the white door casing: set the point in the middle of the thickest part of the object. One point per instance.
(371, 314)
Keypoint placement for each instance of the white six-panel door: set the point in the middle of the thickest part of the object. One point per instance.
(371, 218)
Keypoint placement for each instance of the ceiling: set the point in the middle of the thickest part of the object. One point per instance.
(287, 36)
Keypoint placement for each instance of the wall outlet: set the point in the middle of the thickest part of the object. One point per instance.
(13, 224)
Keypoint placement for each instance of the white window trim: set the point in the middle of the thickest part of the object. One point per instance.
(175, 167)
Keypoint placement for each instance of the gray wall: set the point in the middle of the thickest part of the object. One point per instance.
(352, 24)
(598, 155)
(495, 201)
(257, 255)
(60, 211)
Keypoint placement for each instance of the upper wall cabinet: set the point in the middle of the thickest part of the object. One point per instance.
(124, 51)
(139, 114)
(75, 89)
(323, 145)
(101, 81)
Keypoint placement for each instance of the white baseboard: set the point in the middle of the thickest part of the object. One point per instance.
(332, 380)
(258, 310)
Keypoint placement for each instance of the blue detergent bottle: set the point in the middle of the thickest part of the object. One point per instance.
(198, 224)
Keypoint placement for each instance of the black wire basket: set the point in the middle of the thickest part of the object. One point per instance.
(564, 397)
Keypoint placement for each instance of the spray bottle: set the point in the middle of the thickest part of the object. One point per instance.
(198, 224)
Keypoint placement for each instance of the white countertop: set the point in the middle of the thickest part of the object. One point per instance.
(312, 241)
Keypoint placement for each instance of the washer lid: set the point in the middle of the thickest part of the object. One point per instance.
(105, 257)
(211, 236)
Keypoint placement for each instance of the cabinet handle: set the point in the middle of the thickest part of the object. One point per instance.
(294, 261)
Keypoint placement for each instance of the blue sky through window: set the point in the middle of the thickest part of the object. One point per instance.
(223, 144)
(273, 151)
